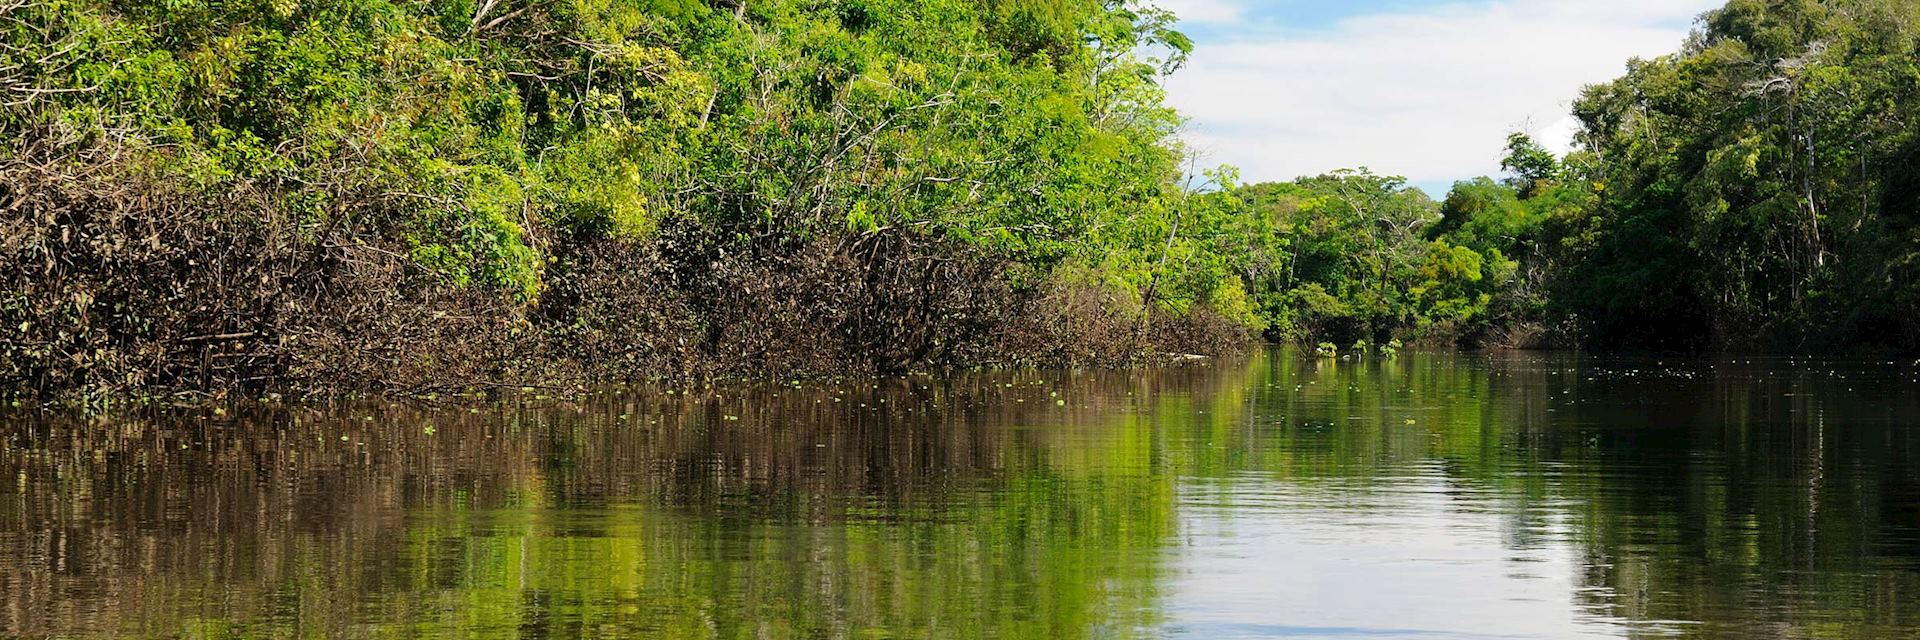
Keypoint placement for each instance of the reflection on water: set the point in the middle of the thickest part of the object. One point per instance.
(1430, 496)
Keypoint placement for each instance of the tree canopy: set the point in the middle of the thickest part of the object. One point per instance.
(696, 176)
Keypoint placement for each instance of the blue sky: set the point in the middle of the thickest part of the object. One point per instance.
(1288, 14)
(1425, 89)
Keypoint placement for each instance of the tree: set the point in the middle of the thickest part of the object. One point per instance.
(1531, 165)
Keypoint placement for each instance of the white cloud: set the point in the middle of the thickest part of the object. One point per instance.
(1428, 93)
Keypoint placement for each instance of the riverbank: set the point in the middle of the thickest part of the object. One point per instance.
(347, 196)
(358, 195)
(236, 304)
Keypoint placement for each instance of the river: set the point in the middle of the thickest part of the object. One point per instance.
(1429, 495)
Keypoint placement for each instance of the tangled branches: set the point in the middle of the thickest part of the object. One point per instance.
(117, 281)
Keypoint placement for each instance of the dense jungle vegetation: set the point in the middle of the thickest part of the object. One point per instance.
(335, 195)
(1757, 190)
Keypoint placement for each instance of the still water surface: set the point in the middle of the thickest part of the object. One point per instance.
(1427, 496)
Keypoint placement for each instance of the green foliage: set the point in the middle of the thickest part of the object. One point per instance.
(1033, 131)
(497, 156)
(1743, 199)
(1755, 189)
(1532, 166)
(1342, 256)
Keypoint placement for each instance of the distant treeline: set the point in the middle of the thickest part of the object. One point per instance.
(334, 195)
(1758, 190)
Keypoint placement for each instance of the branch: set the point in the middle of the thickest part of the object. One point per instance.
(220, 337)
(480, 13)
(496, 21)
(34, 93)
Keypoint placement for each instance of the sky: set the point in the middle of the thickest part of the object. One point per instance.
(1426, 89)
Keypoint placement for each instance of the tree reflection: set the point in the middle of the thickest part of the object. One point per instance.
(1708, 500)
